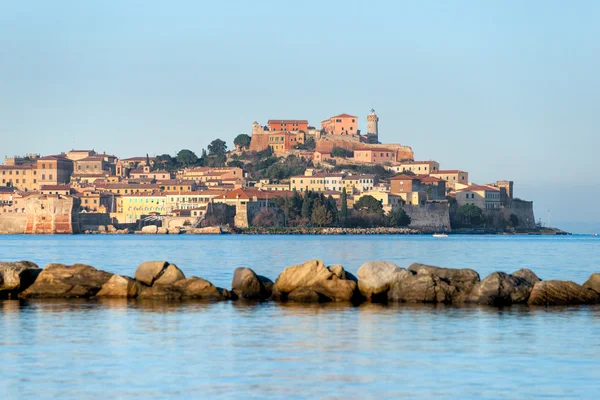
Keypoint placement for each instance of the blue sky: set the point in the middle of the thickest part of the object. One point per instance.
(504, 89)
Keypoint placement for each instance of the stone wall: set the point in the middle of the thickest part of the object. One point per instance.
(523, 210)
(11, 223)
(219, 214)
(91, 221)
(259, 142)
(52, 214)
(429, 218)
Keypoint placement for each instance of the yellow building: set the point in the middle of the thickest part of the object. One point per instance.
(389, 201)
(417, 167)
(141, 204)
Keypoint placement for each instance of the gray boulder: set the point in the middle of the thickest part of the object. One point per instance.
(422, 287)
(247, 285)
(67, 281)
(376, 277)
(528, 275)
(16, 277)
(120, 286)
(147, 272)
(186, 289)
(464, 279)
(593, 283)
(554, 293)
(169, 275)
(500, 289)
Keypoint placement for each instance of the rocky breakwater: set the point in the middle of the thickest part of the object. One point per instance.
(309, 282)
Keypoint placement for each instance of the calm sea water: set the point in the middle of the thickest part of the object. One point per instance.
(120, 349)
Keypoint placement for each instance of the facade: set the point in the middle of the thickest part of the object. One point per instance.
(343, 124)
(56, 189)
(22, 177)
(123, 188)
(359, 183)
(375, 155)
(140, 204)
(317, 182)
(75, 155)
(483, 196)
(282, 142)
(192, 200)
(202, 174)
(287, 125)
(95, 164)
(183, 185)
(372, 128)
(405, 184)
(145, 172)
(452, 177)
(417, 167)
(389, 201)
(435, 188)
(54, 170)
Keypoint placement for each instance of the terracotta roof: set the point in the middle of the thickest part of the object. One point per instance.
(375, 149)
(447, 171)
(404, 177)
(55, 187)
(342, 116)
(478, 188)
(287, 121)
(13, 167)
(247, 194)
(430, 179)
(416, 162)
(54, 157)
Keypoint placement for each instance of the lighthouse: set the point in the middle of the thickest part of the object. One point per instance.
(372, 127)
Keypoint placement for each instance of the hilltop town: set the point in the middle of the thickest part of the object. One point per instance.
(285, 174)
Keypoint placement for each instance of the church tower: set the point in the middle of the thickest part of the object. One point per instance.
(372, 127)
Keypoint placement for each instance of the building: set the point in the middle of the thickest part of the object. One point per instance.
(183, 185)
(483, 196)
(192, 200)
(54, 170)
(93, 201)
(389, 201)
(75, 155)
(287, 125)
(375, 155)
(246, 196)
(343, 124)
(452, 177)
(202, 174)
(416, 167)
(95, 164)
(435, 188)
(317, 182)
(21, 176)
(122, 188)
(28, 159)
(372, 128)
(282, 142)
(267, 184)
(145, 172)
(64, 190)
(359, 183)
(137, 205)
(405, 184)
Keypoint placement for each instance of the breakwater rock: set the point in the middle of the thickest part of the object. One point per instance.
(311, 281)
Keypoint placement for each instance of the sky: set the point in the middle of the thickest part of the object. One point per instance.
(501, 89)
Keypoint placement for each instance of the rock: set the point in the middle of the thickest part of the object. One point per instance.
(500, 289)
(593, 283)
(16, 277)
(553, 293)
(67, 281)
(336, 290)
(528, 275)
(111, 229)
(302, 275)
(305, 295)
(120, 286)
(338, 271)
(122, 231)
(149, 229)
(101, 229)
(267, 284)
(174, 231)
(209, 230)
(422, 287)
(376, 277)
(162, 231)
(149, 271)
(462, 278)
(247, 285)
(186, 289)
(170, 275)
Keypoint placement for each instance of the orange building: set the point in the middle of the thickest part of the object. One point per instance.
(377, 155)
(289, 125)
(343, 124)
(452, 177)
(285, 141)
(54, 170)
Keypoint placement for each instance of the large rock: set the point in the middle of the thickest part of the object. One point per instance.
(147, 272)
(422, 287)
(149, 229)
(169, 275)
(174, 231)
(67, 281)
(464, 279)
(376, 277)
(247, 285)
(305, 295)
(336, 290)
(267, 284)
(528, 275)
(16, 277)
(186, 289)
(553, 293)
(162, 231)
(120, 286)
(500, 289)
(209, 230)
(302, 275)
(593, 283)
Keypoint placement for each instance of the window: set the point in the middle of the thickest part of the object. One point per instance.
(50, 177)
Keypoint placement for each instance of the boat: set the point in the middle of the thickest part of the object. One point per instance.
(440, 235)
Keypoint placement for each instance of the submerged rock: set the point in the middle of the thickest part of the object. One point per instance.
(120, 286)
(186, 289)
(553, 293)
(376, 277)
(500, 289)
(17, 276)
(67, 281)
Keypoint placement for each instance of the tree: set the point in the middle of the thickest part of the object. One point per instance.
(332, 208)
(341, 152)
(470, 214)
(166, 162)
(186, 157)
(217, 148)
(265, 218)
(344, 210)
(235, 163)
(147, 160)
(242, 141)
(514, 220)
(398, 217)
(321, 216)
(370, 204)
(306, 207)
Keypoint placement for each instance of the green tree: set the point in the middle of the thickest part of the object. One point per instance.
(306, 207)
(397, 218)
(235, 163)
(370, 204)
(186, 157)
(242, 141)
(321, 215)
(332, 208)
(147, 160)
(341, 152)
(470, 214)
(165, 162)
(217, 148)
(344, 208)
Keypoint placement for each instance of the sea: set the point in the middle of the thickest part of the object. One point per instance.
(119, 349)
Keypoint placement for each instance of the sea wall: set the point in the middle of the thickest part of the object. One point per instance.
(433, 217)
(92, 221)
(52, 214)
(12, 223)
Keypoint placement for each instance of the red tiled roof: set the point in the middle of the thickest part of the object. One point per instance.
(13, 167)
(477, 188)
(404, 177)
(55, 187)
(375, 149)
(430, 179)
(247, 194)
(416, 162)
(447, 171)
(287, 121)
(344, 115)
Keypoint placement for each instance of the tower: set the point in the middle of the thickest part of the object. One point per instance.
(372, 127)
